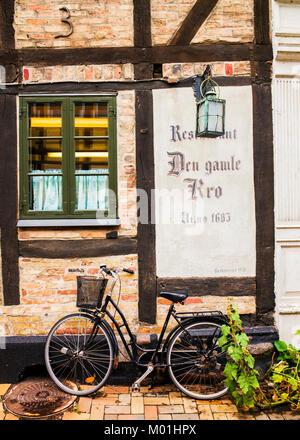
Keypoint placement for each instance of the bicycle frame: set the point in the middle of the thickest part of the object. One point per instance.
(133, 353)
(160, 349)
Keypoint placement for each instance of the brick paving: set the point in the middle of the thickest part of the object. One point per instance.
(159, 403)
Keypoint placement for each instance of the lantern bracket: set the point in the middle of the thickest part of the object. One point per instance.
(199, 80)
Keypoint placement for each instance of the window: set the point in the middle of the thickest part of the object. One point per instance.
(68, 158)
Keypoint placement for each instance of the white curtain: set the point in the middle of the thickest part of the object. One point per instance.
(91, 191)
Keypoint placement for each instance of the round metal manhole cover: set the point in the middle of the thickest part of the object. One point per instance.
(37, 398)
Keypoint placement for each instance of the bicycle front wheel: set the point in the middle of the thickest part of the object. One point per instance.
(80, 353)
(196, 362)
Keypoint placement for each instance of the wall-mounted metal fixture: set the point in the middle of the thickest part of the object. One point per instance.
(210, 120)
(67, 21)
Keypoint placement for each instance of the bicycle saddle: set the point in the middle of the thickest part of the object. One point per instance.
(175, 297)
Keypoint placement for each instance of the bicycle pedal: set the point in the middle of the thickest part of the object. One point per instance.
(136, 387)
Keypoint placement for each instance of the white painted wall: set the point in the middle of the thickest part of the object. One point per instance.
(286, 123)
(221, 242)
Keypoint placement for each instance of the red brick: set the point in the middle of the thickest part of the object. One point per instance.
(150, 412)
(26, 74)
(67, 292)
(228, 69)
(193, 300)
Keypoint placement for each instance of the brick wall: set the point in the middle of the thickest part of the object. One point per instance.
(167, 15)
(230, 21)
(95, 23)
(105, 72)
(48, 292)
(176, 71)
(110, 22)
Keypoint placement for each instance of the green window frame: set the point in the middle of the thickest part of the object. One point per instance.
(67, 170)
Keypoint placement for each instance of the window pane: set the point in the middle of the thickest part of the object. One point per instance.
(92, 192)
(45, 154)
(45, 119)
(91, 119)
(91, 154)
(45, 193)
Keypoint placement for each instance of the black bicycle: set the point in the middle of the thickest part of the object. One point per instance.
(81, 349)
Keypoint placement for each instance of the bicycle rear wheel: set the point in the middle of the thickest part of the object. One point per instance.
(79, 352)
(196, 362)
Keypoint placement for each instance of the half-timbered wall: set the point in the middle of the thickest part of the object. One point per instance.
(132, 48)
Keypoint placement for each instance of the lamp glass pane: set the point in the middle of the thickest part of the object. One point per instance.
(202, 117)
(215, 116)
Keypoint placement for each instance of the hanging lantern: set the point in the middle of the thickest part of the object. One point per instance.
(210, 111)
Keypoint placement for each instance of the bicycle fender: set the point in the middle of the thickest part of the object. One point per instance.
(215, 319)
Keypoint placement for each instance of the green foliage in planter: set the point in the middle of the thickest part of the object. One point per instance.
(241, 377)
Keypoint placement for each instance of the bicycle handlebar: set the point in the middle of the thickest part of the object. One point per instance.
(109, 272)
(128, 271)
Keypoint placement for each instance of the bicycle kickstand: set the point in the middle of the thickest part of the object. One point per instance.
(136, 386)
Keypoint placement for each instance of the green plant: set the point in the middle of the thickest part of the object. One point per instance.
(241, 377)
(282, 381)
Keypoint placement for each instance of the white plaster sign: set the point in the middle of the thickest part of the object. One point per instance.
(204, 189)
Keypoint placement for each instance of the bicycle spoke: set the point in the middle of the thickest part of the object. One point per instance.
(194, 360)
(76, 351)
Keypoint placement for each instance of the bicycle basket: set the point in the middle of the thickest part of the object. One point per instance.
(90, 292)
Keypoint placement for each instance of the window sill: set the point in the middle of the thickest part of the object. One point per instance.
(43, 223)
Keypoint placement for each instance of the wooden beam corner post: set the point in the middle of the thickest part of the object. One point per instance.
(146, 229)
(264, 199)
(8, 199)
(263, 167)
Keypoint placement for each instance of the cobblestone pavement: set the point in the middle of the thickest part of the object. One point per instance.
(160, 403)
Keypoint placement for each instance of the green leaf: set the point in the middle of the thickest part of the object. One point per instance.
(236, 317)
(297, 332)
(222, 341)
(250, 360)
(242, 339)
(280, 345)
(225, 329)
(244, 383)
(277, 378)
(231, 370)
(293, 382)
(249, 399)
(235, 353)
(253, 382)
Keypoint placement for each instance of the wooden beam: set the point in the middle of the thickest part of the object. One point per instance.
(146, 229)
(7, 32)
(155, 54)
(113, 86)
(193, 22)
(223, 286)
(77, 248)
(143, 71)
(264, 197)
(8, 197)
(142, 23)
(261, 22)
